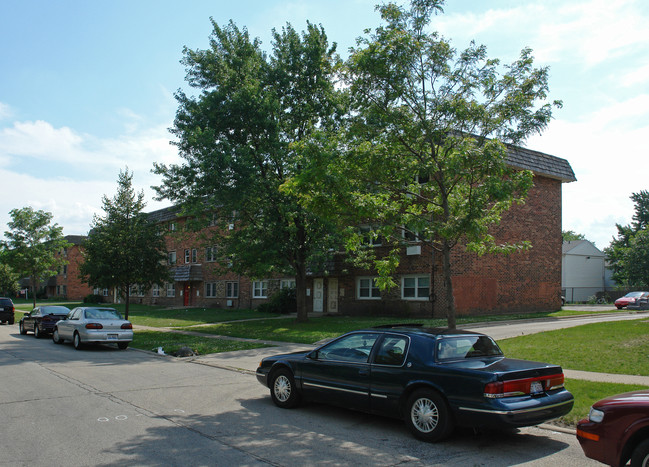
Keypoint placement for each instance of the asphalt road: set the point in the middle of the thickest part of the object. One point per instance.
(106, 407)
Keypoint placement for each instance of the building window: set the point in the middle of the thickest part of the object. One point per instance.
(370, 236)
(155, 290)
(259, 289)
(171, 289)
(187, 259)
(210, 254)
(415, 287)
(105, 293)
(172, 226)
(210, 289)
(367, 288)
(232, 290)
(409, 235)
(287, 284)
(172, 257)
(194, 255)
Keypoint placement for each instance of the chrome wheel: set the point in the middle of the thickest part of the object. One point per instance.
(424, 415)
(76, 341)
(282, 388)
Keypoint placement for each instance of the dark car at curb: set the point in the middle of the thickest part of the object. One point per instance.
(432, 378)
(42, 319)
(6, 310)
(617, 430)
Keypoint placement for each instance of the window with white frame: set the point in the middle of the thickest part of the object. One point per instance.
(187, 257)
(172, 257)
(370, 236)
(105, 293)
(210, 254)
(232, 290)
(415, 287)
(172, 226)
(287, 284)
(210, 289)
(194, 255)
(260, 289)
(155, 290)
(367, 289)
(171, 289)
(409, 235)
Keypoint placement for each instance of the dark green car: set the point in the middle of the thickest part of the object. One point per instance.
(6, 310)
(432, 378)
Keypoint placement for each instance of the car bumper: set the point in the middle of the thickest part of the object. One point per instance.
(6, 316)
(517, 412)
(106, 337)
(593, 441)
(262, 376)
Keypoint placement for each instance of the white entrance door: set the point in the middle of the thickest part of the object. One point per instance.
(318, 295)
(332, 295)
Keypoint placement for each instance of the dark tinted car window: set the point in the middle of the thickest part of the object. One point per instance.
(352, 348)
(5, 302)
(392, 351)
(460, 347)
(54, 310)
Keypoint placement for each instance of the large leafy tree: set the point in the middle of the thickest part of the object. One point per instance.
(34, 245)
(237, 137)
(425, 148)
(8, 278)
(123, 248)
(628, 254)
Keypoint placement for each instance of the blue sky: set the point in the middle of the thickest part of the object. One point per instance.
(86, 89)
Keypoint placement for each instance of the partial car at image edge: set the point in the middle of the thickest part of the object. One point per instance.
(432, 378)
(7, 310)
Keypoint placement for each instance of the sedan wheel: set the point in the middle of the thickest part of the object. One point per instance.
(282, 389)
(122, 345)
(428, 417)
(76, 341)
(56, 338)
(37, 331)
(22, 328)
(640, 457)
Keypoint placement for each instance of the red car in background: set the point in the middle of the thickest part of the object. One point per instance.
(638, 300)
(617, 430)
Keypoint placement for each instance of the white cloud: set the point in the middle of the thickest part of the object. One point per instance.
(5, 111)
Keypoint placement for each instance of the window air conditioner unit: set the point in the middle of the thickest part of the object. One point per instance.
(229, 303)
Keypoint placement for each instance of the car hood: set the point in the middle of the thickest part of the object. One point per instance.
(635, 398)
(288, 356)
(511, 367)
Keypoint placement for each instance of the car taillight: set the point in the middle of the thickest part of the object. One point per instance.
(127, 326)
(522, 387)
(47, 318)
(94, 326)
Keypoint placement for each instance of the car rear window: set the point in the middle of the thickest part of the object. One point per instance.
(102, 313)
(5, 302)
(461, 347)
(55, 310)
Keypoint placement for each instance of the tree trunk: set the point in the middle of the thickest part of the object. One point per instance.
(448, 285)
(127, 300)
(34, 287)
(300, 295)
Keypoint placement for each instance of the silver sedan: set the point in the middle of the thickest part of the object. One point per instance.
(93, 325)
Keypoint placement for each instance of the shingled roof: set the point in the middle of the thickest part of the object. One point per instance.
(540, 163)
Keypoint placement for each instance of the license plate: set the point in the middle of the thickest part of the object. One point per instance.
(112, 337)
(536, 387)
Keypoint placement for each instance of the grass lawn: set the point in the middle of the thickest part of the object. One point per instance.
(170, 343)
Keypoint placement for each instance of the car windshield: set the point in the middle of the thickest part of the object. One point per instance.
(460, 347)
(102, 313)
(633, 294)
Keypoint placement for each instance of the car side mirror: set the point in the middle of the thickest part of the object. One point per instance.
(313, 355)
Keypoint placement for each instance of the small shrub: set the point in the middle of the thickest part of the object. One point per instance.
(92, 298)
(282, 302)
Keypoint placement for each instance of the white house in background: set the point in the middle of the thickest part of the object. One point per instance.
(583, 271)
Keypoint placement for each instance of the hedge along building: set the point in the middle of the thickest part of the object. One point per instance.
(525, 281)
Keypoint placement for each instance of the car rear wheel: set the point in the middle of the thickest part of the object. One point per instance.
(282, 389)
(428, 417)
(21, 327)
(37, 331)
(56, 338)
(122, 345)
(76, 341)
(640, 457)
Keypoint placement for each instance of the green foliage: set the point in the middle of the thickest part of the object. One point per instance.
(33, 245)
(628, 254)
(282, 302)
(570, 236)
(170, 343)
(236, 138)
(8, 280)
(424, 146)
(93, 298)
(123, 248)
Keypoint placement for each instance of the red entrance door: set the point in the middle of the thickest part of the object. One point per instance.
(187, 292)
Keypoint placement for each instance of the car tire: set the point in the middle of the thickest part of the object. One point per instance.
(122, 345)
(21, 328)
(427, 416)
(640, 456)
(37, 331)
(76, 341)
(56, 338)
(283, 391)
(10, 322)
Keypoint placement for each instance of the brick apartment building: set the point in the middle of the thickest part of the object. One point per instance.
(67, 283)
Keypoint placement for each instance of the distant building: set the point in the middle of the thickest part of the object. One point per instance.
(583, 271)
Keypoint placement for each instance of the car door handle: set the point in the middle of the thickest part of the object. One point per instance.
(363, 373)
